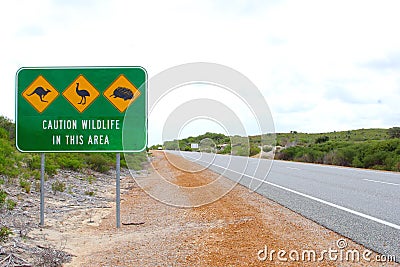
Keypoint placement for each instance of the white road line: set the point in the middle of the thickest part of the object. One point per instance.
(374, 181)
(366, 216)
(293, 168)
(338, 167)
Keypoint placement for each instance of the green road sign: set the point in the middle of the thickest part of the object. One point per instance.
(81, 109)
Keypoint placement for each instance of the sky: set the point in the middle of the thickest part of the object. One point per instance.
(320, 65)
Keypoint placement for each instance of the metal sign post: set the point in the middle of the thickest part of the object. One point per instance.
(42, 157)
(118, 191)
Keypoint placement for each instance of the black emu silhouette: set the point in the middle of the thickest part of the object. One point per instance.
(82, 93)
(41, 92)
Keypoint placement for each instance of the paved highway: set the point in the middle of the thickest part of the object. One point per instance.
(363, 205)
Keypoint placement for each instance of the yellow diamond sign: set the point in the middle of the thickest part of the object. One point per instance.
(40, 94)
(121, 93)
(81, 93)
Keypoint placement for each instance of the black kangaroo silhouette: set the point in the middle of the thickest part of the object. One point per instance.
(82, 93)
(41, 92)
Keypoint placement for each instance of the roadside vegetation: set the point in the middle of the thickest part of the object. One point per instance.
(23, 169)
(66, 174)
(215, 142)
(364, 148)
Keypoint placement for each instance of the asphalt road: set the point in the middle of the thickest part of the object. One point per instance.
(363, 205)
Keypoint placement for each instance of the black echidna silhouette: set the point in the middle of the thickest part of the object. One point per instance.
(41, 92)
(82, 93)
(122, 92)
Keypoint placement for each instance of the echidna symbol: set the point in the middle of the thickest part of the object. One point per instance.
(122, 92)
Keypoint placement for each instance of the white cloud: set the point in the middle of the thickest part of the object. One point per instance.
(319, 58)
(179, 96)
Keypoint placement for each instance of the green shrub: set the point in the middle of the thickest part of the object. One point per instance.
(375, 160)
(90, 179)
(70, 190)
(5, 232)
(357, 162)
(227, 150)
(89, 193)
(35, 174)
(267, 148)
(254, 150)
(37, 186)
(343, 156)
(3, 196)
(134, 160)
(70, 161)
(171, 145)
(10, 204)
(322, 139)
(7, 126)
(240, 151)
(58, 186)
(397, 166)
(187, 148)
(289, 153)
(98, 162)
(7, 159)
(33, 161)
(26, 185)
(394, 132)
(50, 165)
(3, 134)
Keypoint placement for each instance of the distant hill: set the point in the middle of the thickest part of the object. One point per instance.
(362, 148)
(350, 135)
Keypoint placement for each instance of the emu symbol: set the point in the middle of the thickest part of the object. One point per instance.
(41, 92)
(82, 93)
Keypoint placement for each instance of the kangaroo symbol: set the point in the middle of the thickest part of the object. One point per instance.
(82, 93)
(41, 92)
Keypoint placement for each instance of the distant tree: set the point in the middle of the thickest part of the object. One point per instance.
(171, 145)
(322, 139)
(254, 150)
(394, 132)
(226, 150)
(155, 147)
(7, 125)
